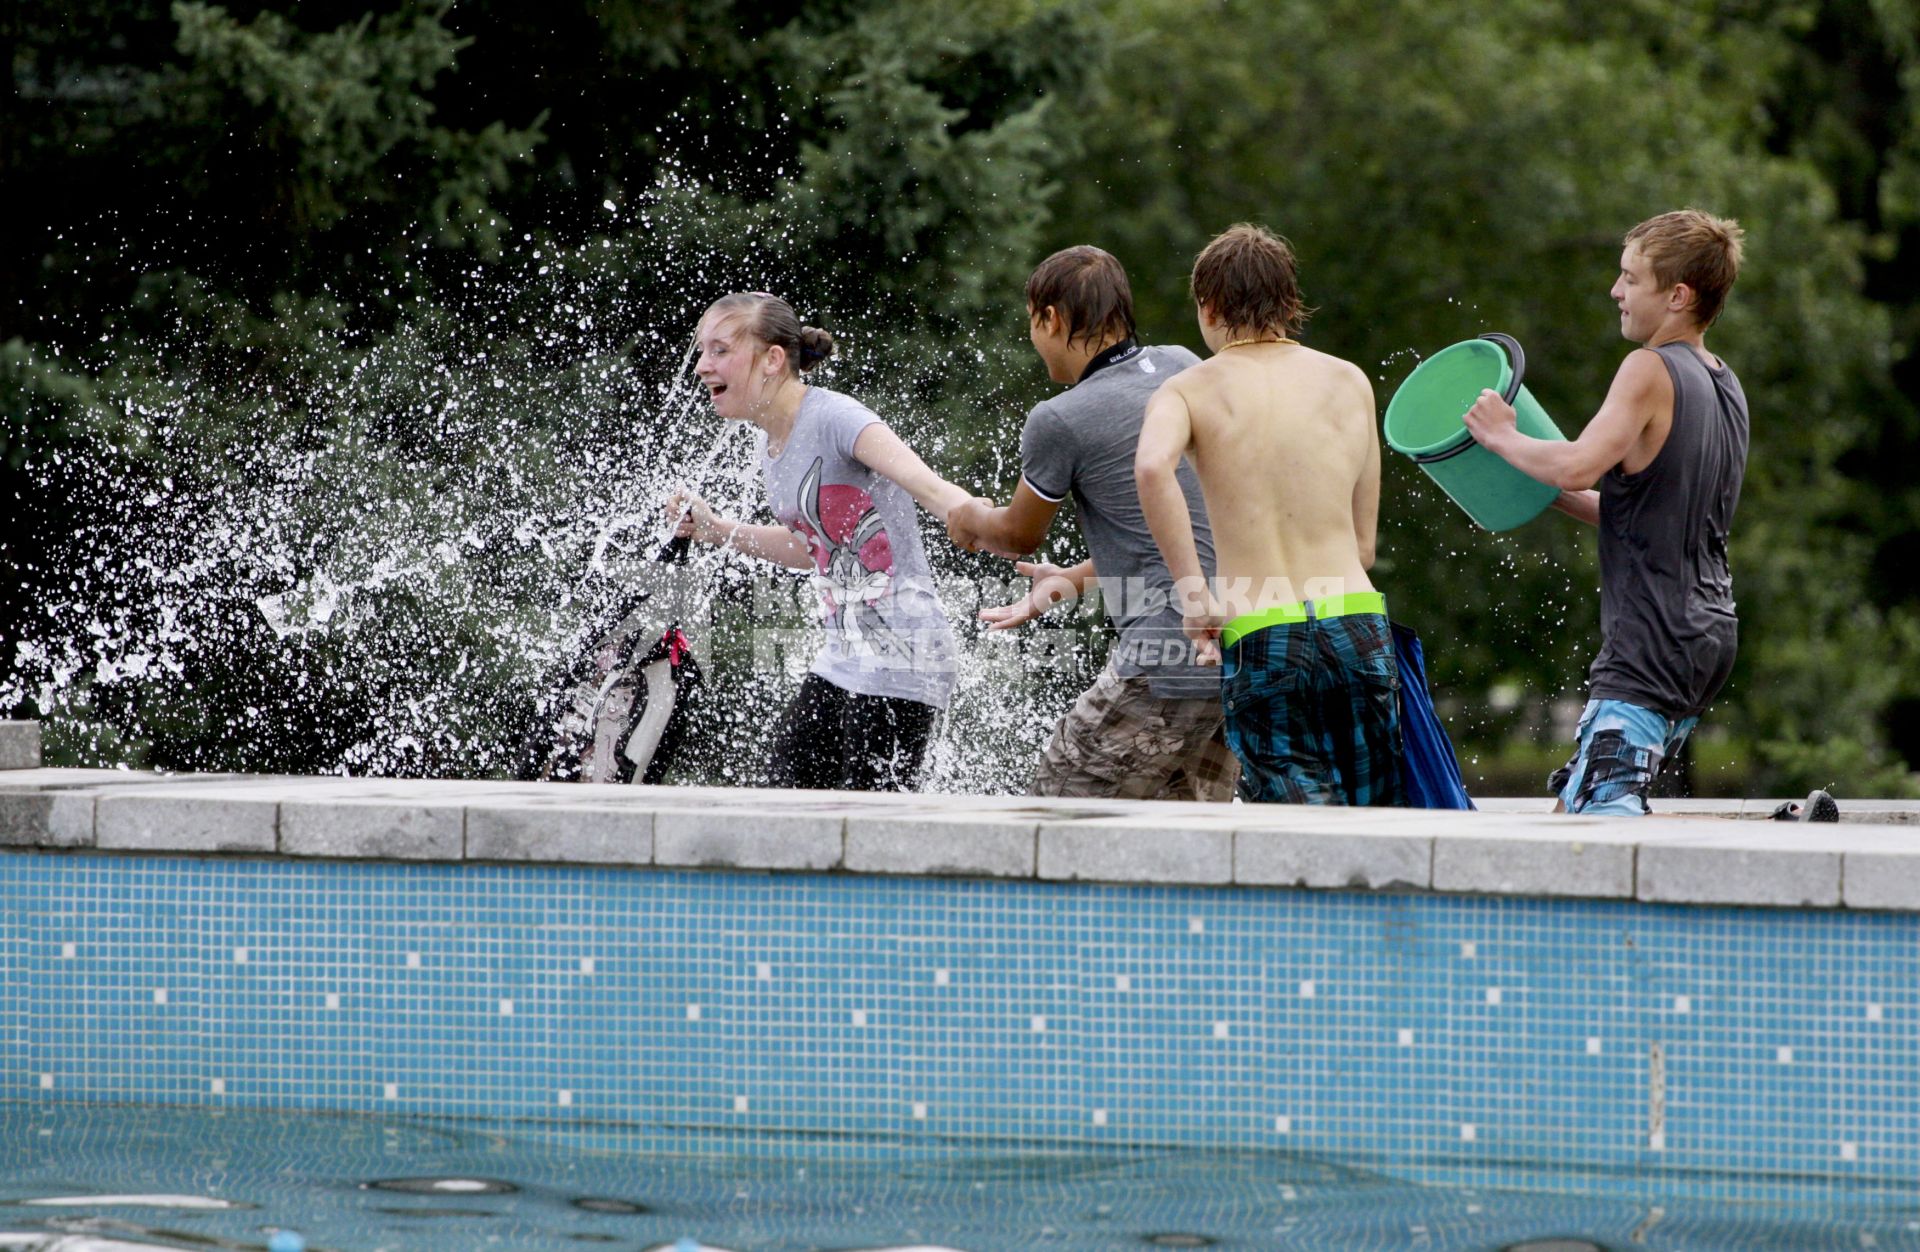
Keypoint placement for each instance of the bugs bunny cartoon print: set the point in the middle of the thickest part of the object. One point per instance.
(853, 564)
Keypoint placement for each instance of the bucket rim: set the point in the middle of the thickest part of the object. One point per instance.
(1441, 449)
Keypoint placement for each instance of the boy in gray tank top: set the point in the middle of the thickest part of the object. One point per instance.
(1151, 724)
(1669, 450)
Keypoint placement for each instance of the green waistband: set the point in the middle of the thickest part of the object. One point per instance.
(1281, 614)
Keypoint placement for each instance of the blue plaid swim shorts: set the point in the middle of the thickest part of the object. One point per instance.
(1313, 712)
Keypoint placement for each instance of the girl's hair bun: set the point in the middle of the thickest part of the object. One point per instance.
(816, 345)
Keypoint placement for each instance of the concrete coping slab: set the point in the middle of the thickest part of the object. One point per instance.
(19, 745)
(1706, 853)
(1139, 847)
(1852, 812)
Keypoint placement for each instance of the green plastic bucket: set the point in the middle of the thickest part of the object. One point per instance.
(1425, 421)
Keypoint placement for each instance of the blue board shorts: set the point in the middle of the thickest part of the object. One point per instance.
(1621, 748)
(1313, 711)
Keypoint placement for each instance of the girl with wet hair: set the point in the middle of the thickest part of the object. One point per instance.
(843, 487)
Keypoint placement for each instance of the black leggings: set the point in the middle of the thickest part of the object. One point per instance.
(829, 737)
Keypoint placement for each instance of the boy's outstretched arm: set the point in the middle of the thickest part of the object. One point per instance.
(1015, 530)
(1164, 438)
(1050, 585)
(1641, 390)
(1581, 506)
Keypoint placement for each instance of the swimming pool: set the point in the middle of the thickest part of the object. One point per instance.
(1446, 1009)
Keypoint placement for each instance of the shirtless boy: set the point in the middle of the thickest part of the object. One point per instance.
(1669, 450)
(1284, 443)
(1149, 727)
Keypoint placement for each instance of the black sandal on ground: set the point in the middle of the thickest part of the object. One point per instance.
(1818, 807)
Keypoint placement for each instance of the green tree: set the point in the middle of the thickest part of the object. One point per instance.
(1848, 102)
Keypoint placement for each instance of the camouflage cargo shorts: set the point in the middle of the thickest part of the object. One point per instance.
(1120, 741)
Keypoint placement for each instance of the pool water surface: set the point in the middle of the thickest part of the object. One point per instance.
(88, 1177)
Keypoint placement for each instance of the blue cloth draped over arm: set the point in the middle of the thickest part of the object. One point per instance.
(1427, 763)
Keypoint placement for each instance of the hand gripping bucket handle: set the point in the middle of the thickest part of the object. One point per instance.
(1517, 358)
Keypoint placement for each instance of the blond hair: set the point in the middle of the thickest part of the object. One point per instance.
(1696, 248)
(772, 321)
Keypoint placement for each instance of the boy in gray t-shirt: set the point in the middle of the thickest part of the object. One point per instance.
(1151, 724)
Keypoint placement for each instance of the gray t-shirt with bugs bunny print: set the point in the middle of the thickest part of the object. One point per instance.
(886, 632)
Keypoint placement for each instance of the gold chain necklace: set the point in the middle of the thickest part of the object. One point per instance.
(1240, 343)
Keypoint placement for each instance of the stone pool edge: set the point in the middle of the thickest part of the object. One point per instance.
(1689, 858)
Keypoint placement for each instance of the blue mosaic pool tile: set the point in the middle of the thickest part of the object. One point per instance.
(1435, 1035)
(16, 958)
(991, 971)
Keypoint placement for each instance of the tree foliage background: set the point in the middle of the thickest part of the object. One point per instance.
(382, 265)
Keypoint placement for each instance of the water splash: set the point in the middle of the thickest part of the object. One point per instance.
(297, 546)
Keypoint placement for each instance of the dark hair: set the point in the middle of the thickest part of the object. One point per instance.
(772, 321)
(1087, 287)
(1248, 279)
(1695, 248)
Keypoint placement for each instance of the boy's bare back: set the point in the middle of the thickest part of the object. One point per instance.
(1284, 443)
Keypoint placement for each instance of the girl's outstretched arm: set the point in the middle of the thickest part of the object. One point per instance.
(884, 452)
